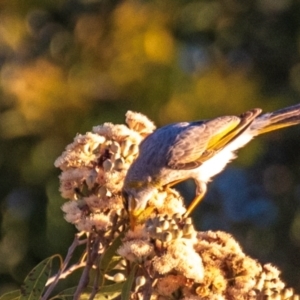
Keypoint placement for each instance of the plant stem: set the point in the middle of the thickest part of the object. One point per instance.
(54, 280)
(92, 254)
(67, 272)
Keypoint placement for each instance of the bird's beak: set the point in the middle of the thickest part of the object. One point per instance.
(133, 219)
(139, 216)
(136, 214)
(133, 212)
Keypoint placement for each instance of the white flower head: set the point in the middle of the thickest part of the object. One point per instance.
(94, 166)
(136, 250)
(139, 122)
(73, 213)
(81, 152)
(168, 284)
(165, 263)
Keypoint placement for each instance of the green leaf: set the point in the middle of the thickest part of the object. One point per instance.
(113, 263)
(62, 297)
(35, 282)
(112, 288)
(110, 252)
(126, 290)
(109, 259)
(106, 296)
(85, 296)
(68, 294)
(107, 292)
(13, 295)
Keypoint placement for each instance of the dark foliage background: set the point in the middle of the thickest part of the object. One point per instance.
(67, 65)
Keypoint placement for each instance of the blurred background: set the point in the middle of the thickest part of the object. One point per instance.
(68, 65)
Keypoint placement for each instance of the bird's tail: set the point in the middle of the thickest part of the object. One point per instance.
(281, 118)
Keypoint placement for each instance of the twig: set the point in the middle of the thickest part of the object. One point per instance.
(53, 281)
(92, 254)
(96, 281)
(66, 273)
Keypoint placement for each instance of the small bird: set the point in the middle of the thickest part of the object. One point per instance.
(197, 150)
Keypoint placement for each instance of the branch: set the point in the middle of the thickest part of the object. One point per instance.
(92, 254)
(66, 273)
(54, 280)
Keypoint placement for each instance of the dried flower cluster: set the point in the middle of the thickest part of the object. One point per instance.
(93, 169)
(171, 260)
(183, 264)
(230, 274)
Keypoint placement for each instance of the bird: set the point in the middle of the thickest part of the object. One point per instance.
(196, 150)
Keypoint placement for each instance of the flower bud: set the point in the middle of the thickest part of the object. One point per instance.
(119, 277)
(107, 165)
(125, 146)
(139, 281)
(115, 147)
(166, 236)
(119, 164)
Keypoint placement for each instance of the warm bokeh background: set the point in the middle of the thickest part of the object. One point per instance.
(67, 65)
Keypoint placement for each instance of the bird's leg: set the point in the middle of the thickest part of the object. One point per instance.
(200, 192)
(171, 184)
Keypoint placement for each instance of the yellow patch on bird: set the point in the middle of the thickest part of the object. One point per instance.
(230, 132)
(217, 139)
(273, 127)
(140, 216)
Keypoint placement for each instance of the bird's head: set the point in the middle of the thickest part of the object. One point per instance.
(136, 196)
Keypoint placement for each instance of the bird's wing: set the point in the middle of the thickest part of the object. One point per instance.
(200, 141)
